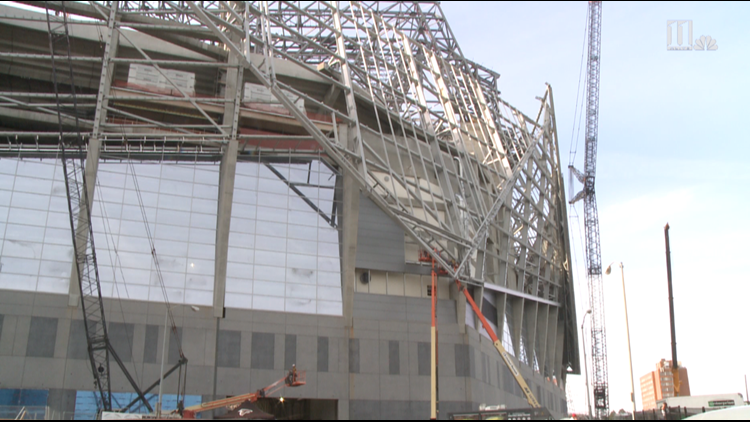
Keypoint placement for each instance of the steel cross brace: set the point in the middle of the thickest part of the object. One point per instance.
(481, 234)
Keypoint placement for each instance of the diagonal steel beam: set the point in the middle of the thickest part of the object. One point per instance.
(481, 233)
(301, 194)
(331, 149)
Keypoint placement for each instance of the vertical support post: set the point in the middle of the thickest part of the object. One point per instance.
(542, 328)
(349, 230)
(216, 364)
(457, 295)
(478, 293)
(559, 352)
(351, 138)
(585, 363)
(433, 349)
(530, 320)
(627, 328)
(227, 171)
(518, 304)
(163, 357)
(500, 300)
(675, 364)
(94, 145)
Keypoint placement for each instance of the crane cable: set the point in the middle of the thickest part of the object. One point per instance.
(576, 114)
(108, 234)
(574, 140)
(154, 256)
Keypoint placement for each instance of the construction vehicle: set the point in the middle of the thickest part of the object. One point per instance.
(293, 378)
(530, 397)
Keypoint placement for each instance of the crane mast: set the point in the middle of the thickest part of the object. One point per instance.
(591, 217)
(86, 271)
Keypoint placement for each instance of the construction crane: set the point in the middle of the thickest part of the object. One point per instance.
(424, 256)
(74, 168)
(591, 216)
(293, 379)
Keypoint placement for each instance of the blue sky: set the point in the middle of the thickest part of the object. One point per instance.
(672, 148)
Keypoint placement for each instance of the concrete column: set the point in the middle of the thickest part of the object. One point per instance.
(529, 316)
(517, 325)
(94, 148)
(349, 229)
(500, 299)
(542, 325)
(343, 410)
(478, 296)
(460, 299)
(82, 228)
(227, 173)
(223, 219)
(560, 371)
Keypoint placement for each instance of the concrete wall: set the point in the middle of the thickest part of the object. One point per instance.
(380, 241)
(380, 371)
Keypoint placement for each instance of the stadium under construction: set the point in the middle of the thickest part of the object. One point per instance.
(224, 190)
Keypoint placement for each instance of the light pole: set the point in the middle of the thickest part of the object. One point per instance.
(164, 353)
(627, 327)
(585, 362)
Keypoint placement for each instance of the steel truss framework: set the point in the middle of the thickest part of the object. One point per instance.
(390, 101)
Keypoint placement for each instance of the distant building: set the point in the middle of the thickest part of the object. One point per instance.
(659, 384)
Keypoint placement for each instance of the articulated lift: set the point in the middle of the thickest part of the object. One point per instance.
(293, 378)
(533, 402)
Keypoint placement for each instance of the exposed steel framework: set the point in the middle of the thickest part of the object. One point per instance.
(390, 103)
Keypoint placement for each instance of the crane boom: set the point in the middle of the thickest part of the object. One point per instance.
(591, 217)
(86, 270)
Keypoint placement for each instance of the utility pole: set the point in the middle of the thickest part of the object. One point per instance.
(675, 365)
(585, 364)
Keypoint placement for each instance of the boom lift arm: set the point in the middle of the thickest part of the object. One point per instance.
(290, 380)
(530, 397)
(86, 272)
